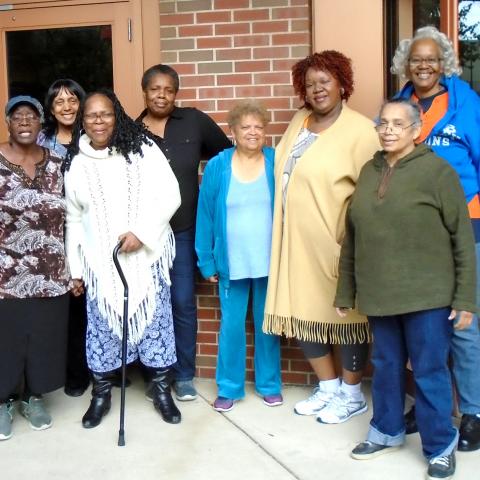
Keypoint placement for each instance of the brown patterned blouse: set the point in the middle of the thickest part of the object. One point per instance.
(32, 216)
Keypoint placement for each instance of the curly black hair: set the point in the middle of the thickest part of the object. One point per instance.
(50, 126)
(127, 138)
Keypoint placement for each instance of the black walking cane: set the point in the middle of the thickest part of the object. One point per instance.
(121, 431)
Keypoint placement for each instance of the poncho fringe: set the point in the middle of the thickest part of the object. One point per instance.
(334, 333)
(142, 316)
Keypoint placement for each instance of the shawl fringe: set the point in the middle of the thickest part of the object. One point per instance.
(142, 316)
(334, 333)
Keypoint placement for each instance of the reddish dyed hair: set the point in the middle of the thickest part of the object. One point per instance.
(331, 61)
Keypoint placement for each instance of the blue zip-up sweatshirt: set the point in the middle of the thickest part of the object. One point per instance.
(211, 231)
(456, 137)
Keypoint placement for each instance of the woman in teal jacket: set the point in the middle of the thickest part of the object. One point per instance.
(233, 236)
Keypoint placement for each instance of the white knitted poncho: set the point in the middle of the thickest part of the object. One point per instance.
(107, 197)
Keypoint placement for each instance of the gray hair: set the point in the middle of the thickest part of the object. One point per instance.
(413, 107)
(248, 106)
(402, 53)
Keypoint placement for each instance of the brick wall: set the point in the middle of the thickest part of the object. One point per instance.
(225, 50)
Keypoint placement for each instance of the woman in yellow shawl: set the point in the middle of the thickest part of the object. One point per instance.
(317, 165)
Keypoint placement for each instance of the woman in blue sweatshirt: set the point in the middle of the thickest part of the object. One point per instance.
(233, 236)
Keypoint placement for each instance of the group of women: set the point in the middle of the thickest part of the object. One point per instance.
(338, 234)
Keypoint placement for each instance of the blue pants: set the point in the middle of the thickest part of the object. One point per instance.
(184, 306)
(424, 337)
(232, 341)
(465, 351)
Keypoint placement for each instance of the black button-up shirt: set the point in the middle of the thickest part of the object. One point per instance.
(190, 136)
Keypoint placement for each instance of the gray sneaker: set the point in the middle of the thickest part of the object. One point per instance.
(6, 417)
(185, 391)
(34, 411)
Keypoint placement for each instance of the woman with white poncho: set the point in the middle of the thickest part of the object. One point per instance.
(119, 186)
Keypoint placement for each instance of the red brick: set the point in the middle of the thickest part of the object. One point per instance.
(302, 25)
(293, 353)
(177, 19)
(252, 91)
(206, 361)
(272, 78)
(277, 128)
(219, 117)
(216, 92)
(187, 93)
(283, 90)
(284, 364)
(230, 4)
(204, 105)
(213, 17)
(268, 27)
(253, 66)
(251, 40)
(208, 301)
(214, 42)
(295, 378)
(184, 69)
(195, 30)
(283, 115)
(235, 79)
(208, 349)
(234, 54)
(284, 64)
(297, 12)
(206, 289)
(206, 337)
(250, 351)
(232, 28)
(250, 376)
(251, 15)
(271, 52)
(300, 366)
(208, 325)
(291, 39)
(206, 313)
(197, 80)
(276, 103)
(206, 372)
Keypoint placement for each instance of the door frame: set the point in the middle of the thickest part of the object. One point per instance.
(132, 22)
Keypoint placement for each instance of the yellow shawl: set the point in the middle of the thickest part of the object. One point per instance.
(306, 242)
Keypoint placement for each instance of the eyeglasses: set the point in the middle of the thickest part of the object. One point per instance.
(27, 117)
(102, 116)
(431, 62)
(394, 129)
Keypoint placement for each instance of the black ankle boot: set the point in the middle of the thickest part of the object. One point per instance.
(469, 433)
(159, 386)
(101, 399)
(410, 421)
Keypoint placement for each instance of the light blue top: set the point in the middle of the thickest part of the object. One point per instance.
(249, 228)
(211, 232)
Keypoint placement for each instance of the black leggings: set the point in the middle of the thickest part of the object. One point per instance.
(354, 355)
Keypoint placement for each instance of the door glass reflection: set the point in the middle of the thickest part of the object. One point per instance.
(36, 58)
(469, 41)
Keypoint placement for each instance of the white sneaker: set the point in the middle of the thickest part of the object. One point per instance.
(316, 402)
(342, 407)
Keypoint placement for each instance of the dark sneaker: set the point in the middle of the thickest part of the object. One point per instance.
(184, 390)
(6, 417)
(469, 433)
(368, 450)
(441, 467)
(273, 400)
(34, 411)
(410, 421)
(222, 404)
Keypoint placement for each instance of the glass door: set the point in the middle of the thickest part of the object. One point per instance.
(95, 44)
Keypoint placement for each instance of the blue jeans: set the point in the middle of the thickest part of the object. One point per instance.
(232, 349)
(424, 337)
(184, 306)
(465, 351)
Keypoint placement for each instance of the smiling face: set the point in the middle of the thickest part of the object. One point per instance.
(249, 133)
(160, 95)
(425, 67)
(99, 120)
(23, 125)
(64, 107)
(322, 91)
(397, 117)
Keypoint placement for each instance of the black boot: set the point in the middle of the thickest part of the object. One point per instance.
(101, 399)
(410, 421)
(469, 433)
(159, 386)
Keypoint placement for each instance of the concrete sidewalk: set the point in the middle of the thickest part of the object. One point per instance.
(252, 441)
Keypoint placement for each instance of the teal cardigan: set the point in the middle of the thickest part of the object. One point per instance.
(211, 230)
